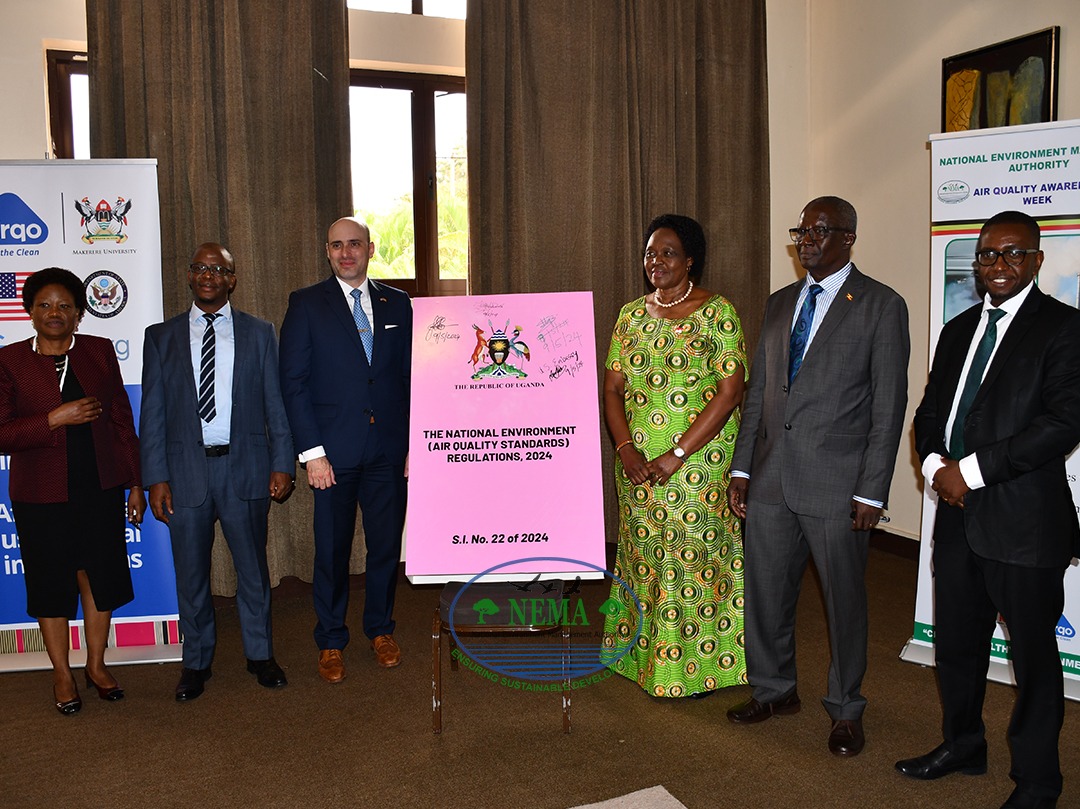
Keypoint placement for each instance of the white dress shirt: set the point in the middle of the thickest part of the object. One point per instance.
(969, 464)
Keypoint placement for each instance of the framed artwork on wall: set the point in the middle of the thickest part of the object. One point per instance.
(1008, 83)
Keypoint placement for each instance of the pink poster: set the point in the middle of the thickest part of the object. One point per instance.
(504, 445)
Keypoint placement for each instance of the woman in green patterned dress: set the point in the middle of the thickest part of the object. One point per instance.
(675, 377)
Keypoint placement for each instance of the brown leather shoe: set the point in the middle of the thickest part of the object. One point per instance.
(331, 665)
(752, 711)
(387, 652)
(846, 738)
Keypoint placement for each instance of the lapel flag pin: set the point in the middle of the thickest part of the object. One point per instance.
(849, 297)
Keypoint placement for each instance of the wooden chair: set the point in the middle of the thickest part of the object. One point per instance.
(486, 609)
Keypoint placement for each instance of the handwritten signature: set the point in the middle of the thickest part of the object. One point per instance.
(437, 331)
(568, 364)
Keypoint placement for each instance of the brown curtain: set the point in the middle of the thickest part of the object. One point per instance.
(245, 106)
(587, 119)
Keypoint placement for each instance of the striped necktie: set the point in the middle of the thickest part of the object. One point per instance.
(207, 409)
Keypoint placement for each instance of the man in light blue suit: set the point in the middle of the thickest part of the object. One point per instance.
(216, 446)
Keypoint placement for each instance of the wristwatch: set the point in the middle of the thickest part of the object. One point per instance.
(679, 452)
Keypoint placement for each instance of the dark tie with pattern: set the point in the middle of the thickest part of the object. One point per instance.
(974, 379)
(363, 325)
(801, 333)
(207, 409)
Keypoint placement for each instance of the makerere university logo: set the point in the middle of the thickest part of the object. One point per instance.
(103, 222)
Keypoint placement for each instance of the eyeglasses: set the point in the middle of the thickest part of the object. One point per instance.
(1014, 256)
(817, 232)
(214, 269)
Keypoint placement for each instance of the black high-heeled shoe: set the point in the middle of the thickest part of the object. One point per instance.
(71, 707)
(107, 694)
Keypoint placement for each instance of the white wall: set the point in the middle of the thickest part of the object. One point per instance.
(406, 42)
(854, 91)
(29, 28)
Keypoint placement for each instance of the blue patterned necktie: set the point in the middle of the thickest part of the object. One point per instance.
(363, 325)
(974, 379)
(801, 333)
(207, 408)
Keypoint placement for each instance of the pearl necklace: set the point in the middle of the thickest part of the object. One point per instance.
(63, 373)
(680, 299)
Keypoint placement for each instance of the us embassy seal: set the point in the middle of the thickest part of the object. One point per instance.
(106, 294)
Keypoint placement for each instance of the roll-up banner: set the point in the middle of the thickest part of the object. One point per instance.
(974, 175)
(99, 219)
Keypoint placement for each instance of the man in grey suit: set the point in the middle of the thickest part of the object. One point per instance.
(813, 461)
(215, 446)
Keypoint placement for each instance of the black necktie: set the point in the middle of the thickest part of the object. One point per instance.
(974, 379)
(207, 409)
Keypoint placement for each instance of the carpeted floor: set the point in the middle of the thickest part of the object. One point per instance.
(368, 742)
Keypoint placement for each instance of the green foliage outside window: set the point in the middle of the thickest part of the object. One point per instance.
(395, 236)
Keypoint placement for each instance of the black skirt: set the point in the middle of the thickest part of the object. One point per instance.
(85, 533)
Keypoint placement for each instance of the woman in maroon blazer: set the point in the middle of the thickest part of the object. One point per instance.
(66, 421)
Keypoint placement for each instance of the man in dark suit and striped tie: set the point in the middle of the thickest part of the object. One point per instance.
(215, 446)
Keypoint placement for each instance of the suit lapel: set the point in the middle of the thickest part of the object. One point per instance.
(1026, 317)
(181, 333)
(378, 311)
(955, 358)
(241, 351)
(843, 303)
(342, 314)
(785, 314)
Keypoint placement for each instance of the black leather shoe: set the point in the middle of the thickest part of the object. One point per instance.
(69, 708)
(846, 738)
(1023, 800)
(752, 711)
(942, 761)
(108, 694)
(191, 683)
(268, 672)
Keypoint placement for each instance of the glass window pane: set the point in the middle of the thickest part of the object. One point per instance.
(454, 9)
(80, 115)
(398, 6)
(452, 186)
(381, 124)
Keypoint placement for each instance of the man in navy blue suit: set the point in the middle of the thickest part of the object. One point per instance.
(215, 446)
(346, 355)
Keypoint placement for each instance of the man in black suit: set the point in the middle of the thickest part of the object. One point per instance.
(1000, 414)
(346, 356)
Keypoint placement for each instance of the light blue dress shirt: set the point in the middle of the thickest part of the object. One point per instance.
(216, 432)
